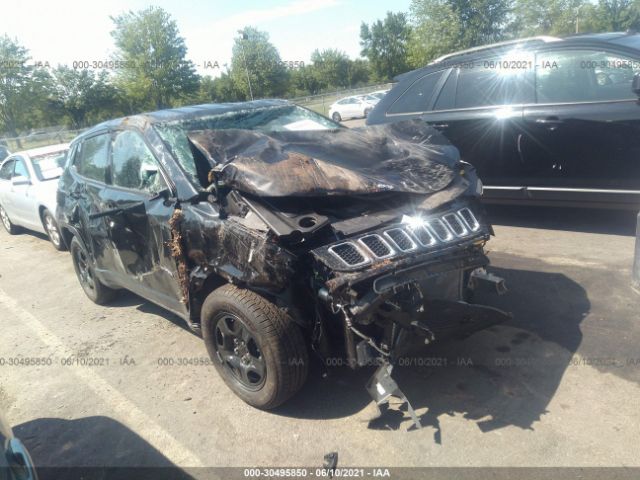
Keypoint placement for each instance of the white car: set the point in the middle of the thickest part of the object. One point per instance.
(378, 94)
(350, 107)
(28, 187)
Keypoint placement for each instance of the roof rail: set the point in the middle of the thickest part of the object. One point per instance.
(519, 41)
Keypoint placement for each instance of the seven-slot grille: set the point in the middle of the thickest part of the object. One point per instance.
(403, 238)
(376, 245)
(349, 254)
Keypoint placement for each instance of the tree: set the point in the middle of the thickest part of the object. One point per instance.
(358, 72)
(25, 90)
(553, 17)
(304, 81)
(155, 72)
(610, 16)
(330, 68)
(84, 97)
(385, 44)
(444, 26)
(220, 89)
(253, 55)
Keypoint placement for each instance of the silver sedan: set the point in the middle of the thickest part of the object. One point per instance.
(28, 184)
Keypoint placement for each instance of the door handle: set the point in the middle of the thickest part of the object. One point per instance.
(440, 125)
(551, 121)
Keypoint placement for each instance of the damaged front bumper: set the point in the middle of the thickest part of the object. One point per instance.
(406, 281)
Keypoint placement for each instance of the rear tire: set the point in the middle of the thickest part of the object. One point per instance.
(256, 348)
(336, 117)
(93, 288)
(6, 222)
(367, 112)
(53, 231)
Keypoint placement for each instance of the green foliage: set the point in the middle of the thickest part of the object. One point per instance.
(444, 26)
(155, 73)
(25, 91)
(553, 17)
(610, 16)
(385, 43)
(84, 97)
(217, 90)
(330, 68)
(255, 57)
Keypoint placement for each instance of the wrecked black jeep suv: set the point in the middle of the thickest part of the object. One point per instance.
(276, 231)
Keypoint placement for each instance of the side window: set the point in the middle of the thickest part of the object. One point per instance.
(134, 166)
(7, 170)
(20, 169)
(91, 158)
(506, 80)
(416, 98)
(584, 76)
(447, 97)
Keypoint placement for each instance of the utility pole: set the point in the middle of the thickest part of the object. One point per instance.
(578, 19)
(243, 37)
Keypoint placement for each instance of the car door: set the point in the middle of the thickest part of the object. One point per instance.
(479, 109)
(351, 108)
(23, 201)
(89, 172)
(6, 172)
(584, 129)
(138, 214)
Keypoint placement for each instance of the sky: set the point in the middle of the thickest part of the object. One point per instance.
(67, 31)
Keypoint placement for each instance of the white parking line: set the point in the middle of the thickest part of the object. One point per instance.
(127, 412)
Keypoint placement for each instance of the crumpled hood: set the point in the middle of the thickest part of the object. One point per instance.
(403, 157)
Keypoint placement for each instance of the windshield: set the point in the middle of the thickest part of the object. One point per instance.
(267, 120)
(49, 167)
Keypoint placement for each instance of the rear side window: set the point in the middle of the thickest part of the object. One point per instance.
(6, 171)
(502, 81)
(417, 97)
(134, 166)
(91, 158)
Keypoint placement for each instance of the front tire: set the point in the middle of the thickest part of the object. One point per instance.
(256, 348)
(53, 231)
(93, 288)
(6, 222)
(336, 117)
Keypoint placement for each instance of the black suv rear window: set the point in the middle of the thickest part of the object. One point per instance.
(418, 96)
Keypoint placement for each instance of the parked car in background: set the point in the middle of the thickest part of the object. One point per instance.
(15, 461)
(28, 185)
(372, 99)
(350, 107)
(271, 229)
(379, 94)
(4, 151)
(544, 120)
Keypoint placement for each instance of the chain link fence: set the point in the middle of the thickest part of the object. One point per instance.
(41, 138)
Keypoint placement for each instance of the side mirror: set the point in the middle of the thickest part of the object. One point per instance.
(20, 180)
(635, 84)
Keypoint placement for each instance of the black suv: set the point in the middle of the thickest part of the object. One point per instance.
(544, 120)
(270, 228)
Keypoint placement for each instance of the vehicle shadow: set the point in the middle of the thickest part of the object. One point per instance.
(92, 448)
(126, 298)
(617, 222)
(503, 376)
